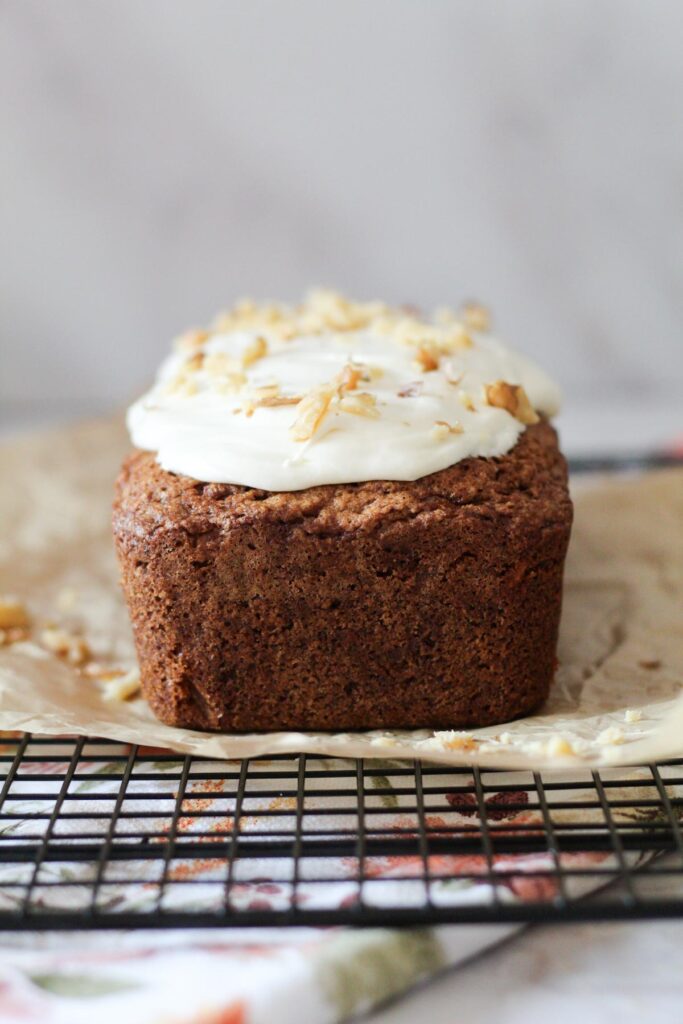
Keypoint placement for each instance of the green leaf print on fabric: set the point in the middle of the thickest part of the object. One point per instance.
(387, 795)
(357, 970)
(82, 986)
(101, 774)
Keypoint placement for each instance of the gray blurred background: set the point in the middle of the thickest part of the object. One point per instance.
(162, 158)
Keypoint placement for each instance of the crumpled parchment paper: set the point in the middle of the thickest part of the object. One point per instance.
(616, 698)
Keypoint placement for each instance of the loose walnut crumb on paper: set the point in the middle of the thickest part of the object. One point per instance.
(513, 398)
(94, 670)
(632, 715)
(123, 687)
(609, 737)
(13, 613)
(455, 740)
(559, 746)
(65, 645)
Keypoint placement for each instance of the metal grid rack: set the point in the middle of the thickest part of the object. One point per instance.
(100, 834)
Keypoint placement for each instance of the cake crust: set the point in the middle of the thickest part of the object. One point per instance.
(425, 604)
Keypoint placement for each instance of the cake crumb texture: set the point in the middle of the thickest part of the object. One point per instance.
(432, 603)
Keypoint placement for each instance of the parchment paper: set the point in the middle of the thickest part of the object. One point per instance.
(616, 699)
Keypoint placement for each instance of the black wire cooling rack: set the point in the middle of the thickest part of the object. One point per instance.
(101, 834)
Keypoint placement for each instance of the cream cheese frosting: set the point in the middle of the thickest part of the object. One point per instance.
(334, 392)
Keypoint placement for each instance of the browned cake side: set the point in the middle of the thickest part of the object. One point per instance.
(382, 604)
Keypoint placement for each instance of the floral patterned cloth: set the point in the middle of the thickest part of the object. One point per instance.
(256, 976)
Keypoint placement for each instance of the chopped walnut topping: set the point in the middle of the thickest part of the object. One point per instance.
(13, 635)
(230, 384)
(276, 400)
(314, 406)
(226, 369)
(327, 311)
(476, 317)
(122, 687)
(255, 350)
(349, 377)
(246, 315)
(220, 364)
(445, 315)
(441, 430)
(195, 362)
(265, 391)
(13, 613)
(182, 385)
(427, 358)
(191, 340)
(361, 404)
(268, 397)
(65, 645)
(411, 390)
(513, 398)
(312, 410)
(466, 401)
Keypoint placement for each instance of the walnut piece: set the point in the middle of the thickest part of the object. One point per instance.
(254, 351)
(467, 401)
(191, 340)
(122, 687)
(361, 404)
(427, 358)
(476, 317)
(441, 430)
(610, 736)
(513, 398)
(349, 377)
(452, 739)
(411, 390)
(311, 411)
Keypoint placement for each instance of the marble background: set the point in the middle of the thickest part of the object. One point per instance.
(161, 158)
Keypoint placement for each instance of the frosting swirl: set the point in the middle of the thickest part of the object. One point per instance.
(336, 392)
